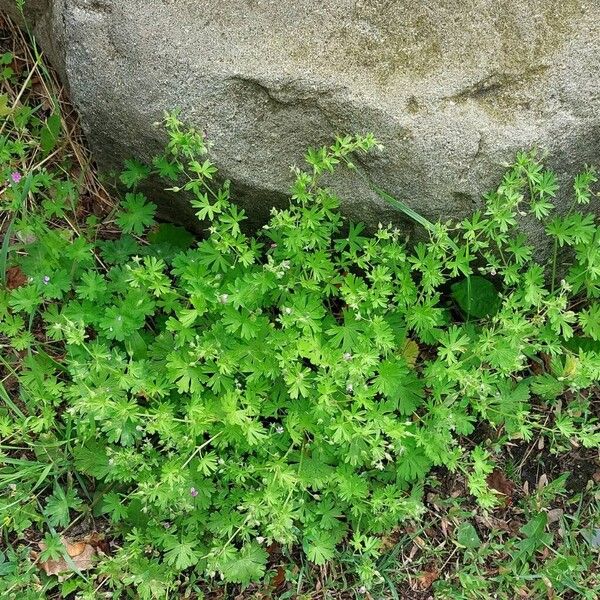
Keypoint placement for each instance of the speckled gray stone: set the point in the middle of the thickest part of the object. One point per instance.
(452, 88)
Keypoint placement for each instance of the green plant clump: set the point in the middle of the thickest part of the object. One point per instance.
(291, 389)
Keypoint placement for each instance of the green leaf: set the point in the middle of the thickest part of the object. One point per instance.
(136, 346)
(181, 554)
(59, 504)
(136, 214)
(166, 168)
(466, 535)
(172, 235)
(92, 459)
(412, 463)
(589, 319)
(245, 566)
(113, 505)
(54, 548)
(320, 547)
(4, 109)
(399, 384)
(577, 343)
(476, 296)
(535, 537)
(134, 173)
(50, 133)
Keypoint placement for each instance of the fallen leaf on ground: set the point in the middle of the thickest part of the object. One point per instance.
(81, 556)
(15, 278)
(499, 482)
(279, 578)
(391, 539)
(555, 514)
(426, 579)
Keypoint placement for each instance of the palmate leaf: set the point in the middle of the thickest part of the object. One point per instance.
(113, 505)
(319, 547)
(136, 214)
(589, 320)
(58, 506)
(347, 336)
(181, 554)
(247, 565)
(399, 384)
(412, 463)
(134, 173)
(93, 460)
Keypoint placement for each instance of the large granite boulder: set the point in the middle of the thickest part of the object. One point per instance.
(452, 88)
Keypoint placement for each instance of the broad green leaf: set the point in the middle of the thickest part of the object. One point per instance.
(476, 296)
(466, 535)
(50, 133)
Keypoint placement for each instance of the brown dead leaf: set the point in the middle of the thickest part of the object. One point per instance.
(15, 278)
(547, 361)
(544, 554)
(555, 514)
(391, 539)
(273, 550)
(81, 555)
(537, 367)
(498, 481)
(413, 551)
(279, 578)
(426, 579)
(489, 521)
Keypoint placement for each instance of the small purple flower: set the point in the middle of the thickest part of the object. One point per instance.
(193, 492)
(46, 280)
(16, 176)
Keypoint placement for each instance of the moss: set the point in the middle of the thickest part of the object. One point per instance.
(385, 38)
(406, 38)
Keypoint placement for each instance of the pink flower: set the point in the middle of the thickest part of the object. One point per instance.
(193, 492)
(16, 176)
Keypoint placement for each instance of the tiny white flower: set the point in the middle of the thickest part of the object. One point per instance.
(347, 356)
(279, 429)
(223, 298)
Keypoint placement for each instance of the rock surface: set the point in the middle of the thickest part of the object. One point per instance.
(452, 88)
